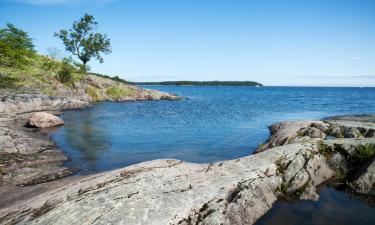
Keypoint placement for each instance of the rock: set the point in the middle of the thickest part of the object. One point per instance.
(365, 183)
(173, 192)
(25, 103)
(312, 132)
(291, 132)
(44, 120)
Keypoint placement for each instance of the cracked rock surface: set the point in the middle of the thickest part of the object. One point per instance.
(295, 160)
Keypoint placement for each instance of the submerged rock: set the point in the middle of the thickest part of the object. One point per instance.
(44, 120)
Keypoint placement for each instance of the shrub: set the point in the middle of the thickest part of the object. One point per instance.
(66, 72)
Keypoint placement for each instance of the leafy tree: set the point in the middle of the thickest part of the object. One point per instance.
(15, 46)
(82, 41)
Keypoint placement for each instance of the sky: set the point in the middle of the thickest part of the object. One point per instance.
(287, 43)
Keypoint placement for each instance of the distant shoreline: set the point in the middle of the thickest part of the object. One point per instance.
(202, 83)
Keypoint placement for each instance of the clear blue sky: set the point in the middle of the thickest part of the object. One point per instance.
(320, 42)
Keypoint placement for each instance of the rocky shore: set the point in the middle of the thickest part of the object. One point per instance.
(27, 156)
(298, 156)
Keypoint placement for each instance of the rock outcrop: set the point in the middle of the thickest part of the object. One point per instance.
(12, 103)
(44, 120)
(229, 192)
(296, 158)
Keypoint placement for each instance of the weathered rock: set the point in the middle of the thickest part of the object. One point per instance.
(365, 183)
(44, 120)
(171, 192)
(24, 103)
(291, 132)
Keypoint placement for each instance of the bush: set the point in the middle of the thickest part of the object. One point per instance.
(66, 72)
(16, 46)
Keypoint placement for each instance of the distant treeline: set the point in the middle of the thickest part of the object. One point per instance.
(115, 78)
(202, 83)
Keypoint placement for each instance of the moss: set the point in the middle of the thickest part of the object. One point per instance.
(117, 92)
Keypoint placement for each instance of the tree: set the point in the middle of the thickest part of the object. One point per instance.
(15, 46)
(82, 41)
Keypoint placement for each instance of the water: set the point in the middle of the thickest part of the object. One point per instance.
(333, 207)
(212, 124)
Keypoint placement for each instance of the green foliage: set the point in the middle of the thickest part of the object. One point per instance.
(117, 92)
(364, 153)
(83, 42)
(202, 83)
(66, 72)
(15, 46)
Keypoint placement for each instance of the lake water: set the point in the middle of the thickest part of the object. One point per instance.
(211, 124)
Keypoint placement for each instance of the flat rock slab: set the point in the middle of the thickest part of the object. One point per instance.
(175, 192)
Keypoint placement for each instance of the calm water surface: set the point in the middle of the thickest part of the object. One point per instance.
(212, 124)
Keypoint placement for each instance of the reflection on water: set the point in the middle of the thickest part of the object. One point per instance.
(212, 124)
(89, 140)
(333, 207)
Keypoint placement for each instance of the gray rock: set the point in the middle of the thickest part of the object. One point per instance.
(365, 183)
(169, 192)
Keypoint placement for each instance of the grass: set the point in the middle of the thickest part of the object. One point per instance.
(364, 152)
(41, 74)
(117, 92)
(8, 82)
(281, 165)
(94, 93)
(325, 150)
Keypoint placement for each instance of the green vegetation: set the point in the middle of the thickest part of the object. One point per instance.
(202, 83)
(66, 72)
(281, 165)
(364, 152)
(117, 92)
(115, 78)
(83, 42)
(325, 150)
(94, 93)
(16, 46)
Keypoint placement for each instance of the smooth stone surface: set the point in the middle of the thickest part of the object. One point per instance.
(44, 120)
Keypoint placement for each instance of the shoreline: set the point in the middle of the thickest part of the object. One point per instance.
(265, 175)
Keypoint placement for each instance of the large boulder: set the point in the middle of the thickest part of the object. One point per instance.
(44, 120)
